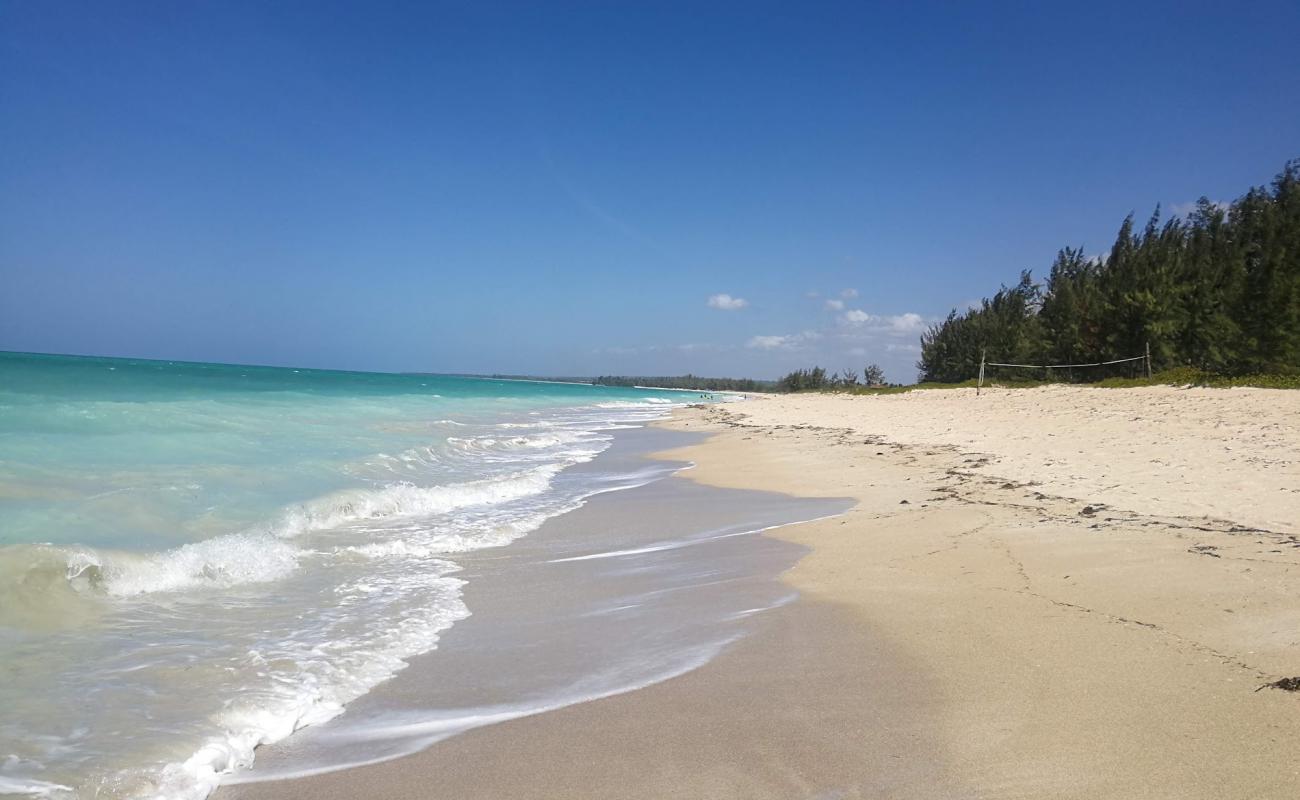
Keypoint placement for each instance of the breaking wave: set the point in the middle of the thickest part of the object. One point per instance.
(39, 583)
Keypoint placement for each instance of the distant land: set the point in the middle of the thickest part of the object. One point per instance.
(689, 382)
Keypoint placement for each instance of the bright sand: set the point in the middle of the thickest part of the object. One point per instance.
(1058, 592)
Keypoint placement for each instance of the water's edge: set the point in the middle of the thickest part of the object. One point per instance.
(200, 559)
(633, 588)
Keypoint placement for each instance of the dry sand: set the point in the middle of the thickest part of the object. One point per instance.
(1055, 592)
(1231, 454)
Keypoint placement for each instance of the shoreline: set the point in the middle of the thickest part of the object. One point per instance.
(956, 635)
(633, 588)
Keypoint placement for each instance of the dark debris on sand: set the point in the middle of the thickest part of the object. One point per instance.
(1286, 685)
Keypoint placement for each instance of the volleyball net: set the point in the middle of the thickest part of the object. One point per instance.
(1142, 367)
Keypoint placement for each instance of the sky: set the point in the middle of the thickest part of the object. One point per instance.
(555, 188)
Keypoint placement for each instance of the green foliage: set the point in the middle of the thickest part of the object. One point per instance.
(1007, 325)
(900, 389)
(804, 380)
(1191, 376)
(1218, 292)
(819, 380)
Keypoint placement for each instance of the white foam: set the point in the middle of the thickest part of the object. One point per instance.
(30, 787)
(262, 556)
(319, 695)
(555, 438)
(221, 562)
(412, 731)
(408, 500)
(425, 543)
(657, 404)
(677, 544)
(395, 548)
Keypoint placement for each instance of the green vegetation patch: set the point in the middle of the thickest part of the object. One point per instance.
(1217, 290)
(1190, 376)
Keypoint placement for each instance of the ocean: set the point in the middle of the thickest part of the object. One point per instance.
(200, 559)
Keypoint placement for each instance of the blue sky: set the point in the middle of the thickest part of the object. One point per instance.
(561, 188)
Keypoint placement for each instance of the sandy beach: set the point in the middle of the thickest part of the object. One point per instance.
(504, 401)
(1060, 592)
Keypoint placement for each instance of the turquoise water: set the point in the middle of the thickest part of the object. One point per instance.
(201, 449)
(199, 558)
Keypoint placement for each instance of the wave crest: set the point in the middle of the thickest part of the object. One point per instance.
(50, 586)
(409, 500)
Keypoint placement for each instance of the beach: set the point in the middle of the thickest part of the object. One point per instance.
(1066, 592)
(638, 401)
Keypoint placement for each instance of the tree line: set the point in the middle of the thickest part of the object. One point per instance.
(1218, 290)
(819, 379)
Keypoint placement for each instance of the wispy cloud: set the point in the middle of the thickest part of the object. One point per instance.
(688, 347)
(903, 347)
(585, 201)
(701, 347)
(726, 302)
(835, 305)
(906, 323)
(893, 324)
(790, 341)
(767, 342)
(848, 294)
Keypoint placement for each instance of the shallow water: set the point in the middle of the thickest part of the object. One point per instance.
(197, 559)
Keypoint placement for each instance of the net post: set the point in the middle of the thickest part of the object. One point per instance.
(1148, 359)
(980, 383)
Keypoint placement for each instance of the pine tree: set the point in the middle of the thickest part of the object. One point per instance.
(1219, 291)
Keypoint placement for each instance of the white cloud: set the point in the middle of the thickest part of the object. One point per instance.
(700, 347)
(835, 305)
(906, 323)
(894, 325)
(726, 302)
(768, 342)
(848, 293)
(855, 337)
(785, 342)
